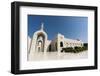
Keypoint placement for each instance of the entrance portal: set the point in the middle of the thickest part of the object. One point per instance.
(40, 43)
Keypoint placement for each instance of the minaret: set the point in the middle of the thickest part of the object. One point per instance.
(42, 26)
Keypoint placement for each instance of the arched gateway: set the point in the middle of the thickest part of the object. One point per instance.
(38, 42)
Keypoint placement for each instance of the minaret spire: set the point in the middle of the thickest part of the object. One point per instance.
(42, 26)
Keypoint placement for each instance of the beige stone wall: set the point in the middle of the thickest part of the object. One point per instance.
(66, 42)
(73, 43)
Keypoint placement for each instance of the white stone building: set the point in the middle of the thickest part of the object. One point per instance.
(40, 43)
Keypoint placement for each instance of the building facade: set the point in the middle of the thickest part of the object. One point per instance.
(40, 43)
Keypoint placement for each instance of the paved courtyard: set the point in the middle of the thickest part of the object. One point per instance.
(55, 56)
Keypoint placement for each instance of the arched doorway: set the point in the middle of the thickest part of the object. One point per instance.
(40, 42)
(40, 46)
(61, 44)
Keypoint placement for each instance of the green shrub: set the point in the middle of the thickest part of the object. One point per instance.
(74, 50)
(78, 49)
(68, 49)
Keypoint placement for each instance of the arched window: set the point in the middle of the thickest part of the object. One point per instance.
(39, 42)
(61, 44)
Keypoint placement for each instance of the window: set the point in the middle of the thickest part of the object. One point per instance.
(39, 42)
(61, 44)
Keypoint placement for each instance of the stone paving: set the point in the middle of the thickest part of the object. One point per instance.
(55, 56)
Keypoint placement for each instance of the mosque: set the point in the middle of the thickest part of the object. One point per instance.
(40, 43)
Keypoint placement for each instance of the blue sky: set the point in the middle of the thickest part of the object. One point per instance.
(73, 27)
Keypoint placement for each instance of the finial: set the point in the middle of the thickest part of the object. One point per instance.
(42, 26)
